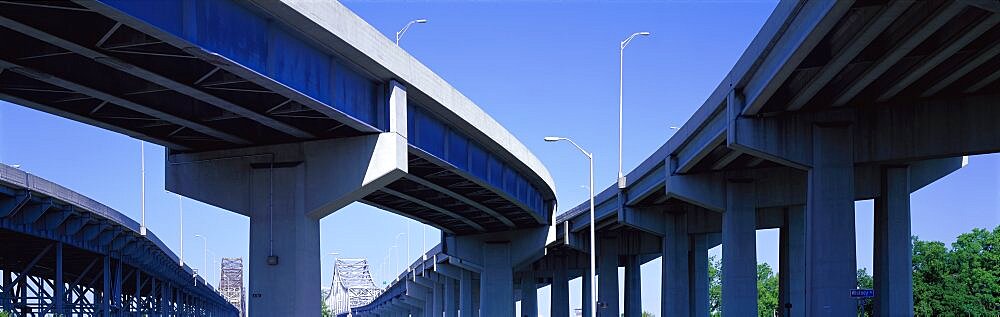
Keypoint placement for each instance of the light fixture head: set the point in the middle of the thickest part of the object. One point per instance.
(420, 21)
(644, 33)
(552, 139)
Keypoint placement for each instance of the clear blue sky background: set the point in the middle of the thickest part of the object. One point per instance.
(539, 69)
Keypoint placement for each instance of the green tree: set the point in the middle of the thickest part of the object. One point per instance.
(930, 275)
(714, 287)
(767, 290)
(325, 310)
(975, 260)
(865, 281)
(647, 314)
(963, 280)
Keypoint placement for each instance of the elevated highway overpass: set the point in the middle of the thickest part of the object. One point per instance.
(65, 254)
(832, 102)
(283, 111)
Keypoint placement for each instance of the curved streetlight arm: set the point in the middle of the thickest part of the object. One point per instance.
(578, 147)
(630, 37)
(399, 34)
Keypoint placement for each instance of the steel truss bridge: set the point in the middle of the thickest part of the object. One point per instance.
(231, 283)
(352, 286)
(65, 254)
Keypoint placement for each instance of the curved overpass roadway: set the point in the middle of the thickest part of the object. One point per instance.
(832, 102)
(65, 254)
(284, 111)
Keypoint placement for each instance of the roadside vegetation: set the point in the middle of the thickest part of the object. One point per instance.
(961, 280)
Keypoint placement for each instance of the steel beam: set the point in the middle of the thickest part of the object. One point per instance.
(972, 64)
(9, 207)
(97, 94)
(91, 121)
(156, 78)
(430, 206)
(54, 219)
(798, 37)
(59, 287)
(33, 212)
(461, 198)
(731, 156)
(940, 56)
(900, 50)
(845, 55)
(988, 5)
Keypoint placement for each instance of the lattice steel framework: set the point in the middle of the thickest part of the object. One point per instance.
(231, 283)
(352, 286)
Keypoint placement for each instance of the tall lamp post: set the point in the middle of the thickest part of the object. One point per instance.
(392, 268)
(180, 211)
(205, 256)
(214, 265)
(621, 63)
(407, 27)
(394, 240)
(142, 186)
(593, 249)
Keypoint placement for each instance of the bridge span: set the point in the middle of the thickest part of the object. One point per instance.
(832, 102)
(64, 254)
(284, 111)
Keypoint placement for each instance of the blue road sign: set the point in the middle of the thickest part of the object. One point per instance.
(862, 293)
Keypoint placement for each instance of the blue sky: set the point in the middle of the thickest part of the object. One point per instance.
(539, 69)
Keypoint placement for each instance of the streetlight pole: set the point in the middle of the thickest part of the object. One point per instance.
(407, 27)
(210, 269)
(205, 256)
(593, 248)
(142, 186)
(621, 71)
(408, 258)
(396, 239)
(180, 211)
(390, 259)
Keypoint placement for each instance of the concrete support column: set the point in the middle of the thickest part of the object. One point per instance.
(285, 189)
(739, 249)
(465, 294)
(586, 288)
(830, 254)
(529, 295)
(893, 261)
(633, 287)
(497, 281)
(791, 264)
(607, 283)
(428, 308)
(698, 279)
(559, 304)
(438, 295)
(675, 296)
(450, 293)
(284, 245)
